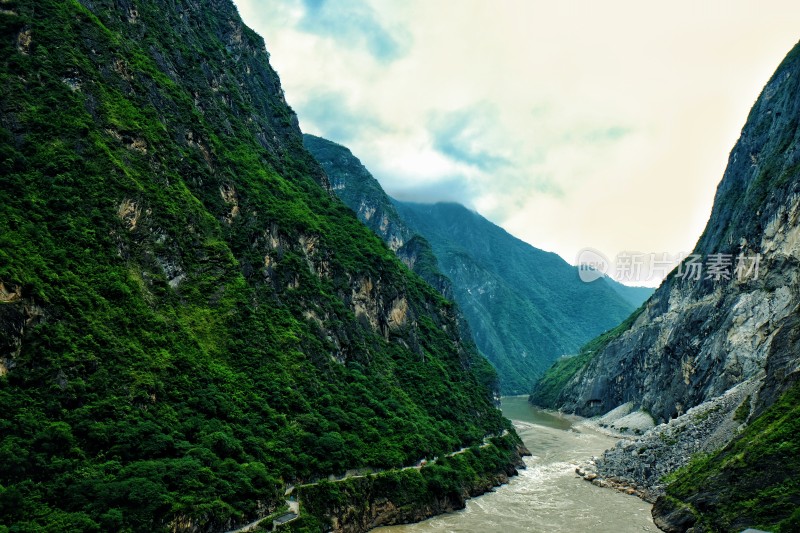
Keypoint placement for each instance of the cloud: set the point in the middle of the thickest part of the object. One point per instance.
(451, 189)
(354, 24)
(462, 135)
(605, 135)
(329, 114)
(605, 125)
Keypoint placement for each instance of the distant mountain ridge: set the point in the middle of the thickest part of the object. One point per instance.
(525, 307)
(634, 295)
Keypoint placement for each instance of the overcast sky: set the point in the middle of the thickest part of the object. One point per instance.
(570, 124)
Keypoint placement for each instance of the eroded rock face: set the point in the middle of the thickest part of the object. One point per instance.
(695, 349)
(362, 193)
(356, 187)
(696, 339)
(708, 356)
(672, 517)
(18, 313)
(129, 213)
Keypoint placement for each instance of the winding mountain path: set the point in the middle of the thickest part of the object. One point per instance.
(294, 505)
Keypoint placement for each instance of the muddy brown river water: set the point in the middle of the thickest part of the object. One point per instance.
(548, 496)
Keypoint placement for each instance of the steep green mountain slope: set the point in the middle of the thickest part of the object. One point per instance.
(189, 320)
(698, 337)
(356, 187)
(526, 307)
(521, 332)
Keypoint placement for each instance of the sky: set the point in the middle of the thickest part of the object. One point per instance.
(571, 124)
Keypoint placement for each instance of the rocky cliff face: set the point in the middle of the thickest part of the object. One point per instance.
(713, 353)
(361, 192)
(697, 338)
(353, 516)
(189, 319)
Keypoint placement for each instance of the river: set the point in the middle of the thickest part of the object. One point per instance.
(547, 497)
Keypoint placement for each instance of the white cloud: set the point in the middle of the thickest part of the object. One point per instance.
(571, 124)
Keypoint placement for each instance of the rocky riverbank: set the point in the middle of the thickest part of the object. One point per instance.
(638, 464)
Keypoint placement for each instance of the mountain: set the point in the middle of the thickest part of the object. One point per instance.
(525, 307)
(360, 191)
(635, 296)
(190, 321)
(356, 187)
(716, 354)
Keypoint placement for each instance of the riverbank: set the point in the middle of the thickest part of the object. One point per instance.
(638, 464)
(548, 496)
(360, 503)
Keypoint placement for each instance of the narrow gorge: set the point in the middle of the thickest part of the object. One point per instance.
(212, 320)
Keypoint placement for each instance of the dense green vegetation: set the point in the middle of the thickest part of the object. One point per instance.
(752, 482)
(547, 389)
(181, 337)
(409, 490)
